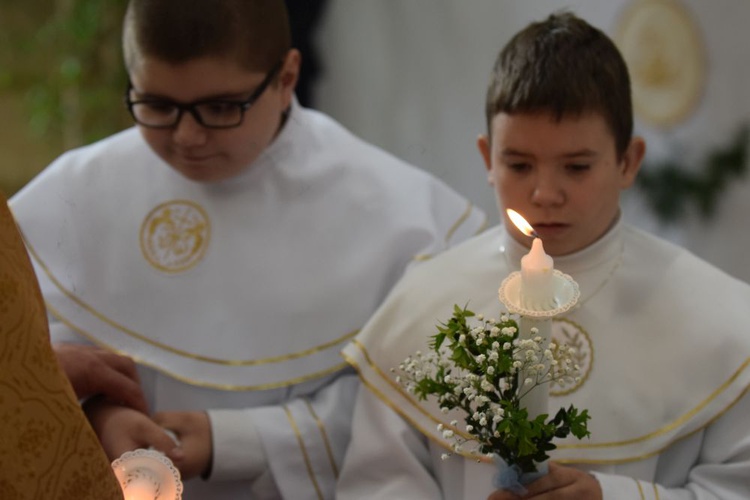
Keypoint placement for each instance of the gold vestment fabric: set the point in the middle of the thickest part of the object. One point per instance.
(47, 448)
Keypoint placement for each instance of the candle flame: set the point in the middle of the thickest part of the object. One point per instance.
(520, 223)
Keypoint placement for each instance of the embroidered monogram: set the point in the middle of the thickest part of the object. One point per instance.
(175, 235)
(573, 335)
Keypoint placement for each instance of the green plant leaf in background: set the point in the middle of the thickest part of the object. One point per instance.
(64, 56)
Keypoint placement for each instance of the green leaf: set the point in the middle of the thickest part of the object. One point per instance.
(437, 341)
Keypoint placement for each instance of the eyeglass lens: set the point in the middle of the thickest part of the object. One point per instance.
(166, 114)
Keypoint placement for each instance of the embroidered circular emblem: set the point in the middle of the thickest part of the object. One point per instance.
(566, 332)
(175, 235)
(665, 52)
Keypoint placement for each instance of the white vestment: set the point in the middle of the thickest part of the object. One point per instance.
(237, 297)
(662, 341)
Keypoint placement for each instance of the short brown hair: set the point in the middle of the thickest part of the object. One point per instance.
(254, 33)
(564, 66)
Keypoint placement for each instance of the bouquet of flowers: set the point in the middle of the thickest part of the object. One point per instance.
(482, 368)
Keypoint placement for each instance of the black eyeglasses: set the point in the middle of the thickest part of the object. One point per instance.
(211, 113)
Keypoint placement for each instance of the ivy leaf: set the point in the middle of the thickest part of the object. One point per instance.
(671, 188)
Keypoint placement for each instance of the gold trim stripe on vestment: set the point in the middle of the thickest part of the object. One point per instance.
(406, 417)
(679, 421)
(324, 436)
(399, 389)
(464, 216)
(302, 447)
(640, 489)
(174, 350)
(451, 231)
(199, 383)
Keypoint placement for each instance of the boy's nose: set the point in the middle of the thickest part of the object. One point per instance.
(188, 132)
(547, 192)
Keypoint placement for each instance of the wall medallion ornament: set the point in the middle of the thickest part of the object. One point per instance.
(175, 235)
(664, 50)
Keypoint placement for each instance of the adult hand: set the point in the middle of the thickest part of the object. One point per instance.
(93, 371)
(193, 430)
(561, 483)
(122, 429)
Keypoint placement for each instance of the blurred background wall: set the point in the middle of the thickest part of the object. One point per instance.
(61, 81)
(410, 76)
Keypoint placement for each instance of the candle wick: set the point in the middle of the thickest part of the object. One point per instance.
(534, 234)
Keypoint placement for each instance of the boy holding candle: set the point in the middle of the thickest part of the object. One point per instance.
(660, 335)
(231, 243)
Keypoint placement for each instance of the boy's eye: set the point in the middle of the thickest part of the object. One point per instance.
(218, 108)
(578, 167)
(519, 166)
(158, 107)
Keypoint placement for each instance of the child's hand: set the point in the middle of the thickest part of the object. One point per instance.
(193, 429)
(122, 429)
(560, 483)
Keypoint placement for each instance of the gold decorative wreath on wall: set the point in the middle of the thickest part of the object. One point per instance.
(664, 49)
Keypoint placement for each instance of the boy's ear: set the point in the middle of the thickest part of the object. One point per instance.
(289, 74)
(483, 143)
(631, 161)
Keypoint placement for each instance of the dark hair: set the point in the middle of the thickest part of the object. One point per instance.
(254, 33)
(563, 66)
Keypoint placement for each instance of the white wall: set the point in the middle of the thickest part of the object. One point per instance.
(410, 76)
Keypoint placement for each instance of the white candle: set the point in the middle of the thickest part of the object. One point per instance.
(140, 491)
(535, 400)
(537, 292)
(147, 475)
(143, 484)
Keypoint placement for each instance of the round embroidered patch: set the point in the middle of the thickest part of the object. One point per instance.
(566, 332)
(175, 235)
(665, 51)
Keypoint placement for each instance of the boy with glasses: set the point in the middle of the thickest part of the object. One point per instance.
(660, 336)
(231, 244)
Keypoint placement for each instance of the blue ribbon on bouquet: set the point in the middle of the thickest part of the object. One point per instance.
(511, 478)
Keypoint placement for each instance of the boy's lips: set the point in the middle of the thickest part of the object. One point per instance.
(192, 155)
(550, 229)
(195, 159)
